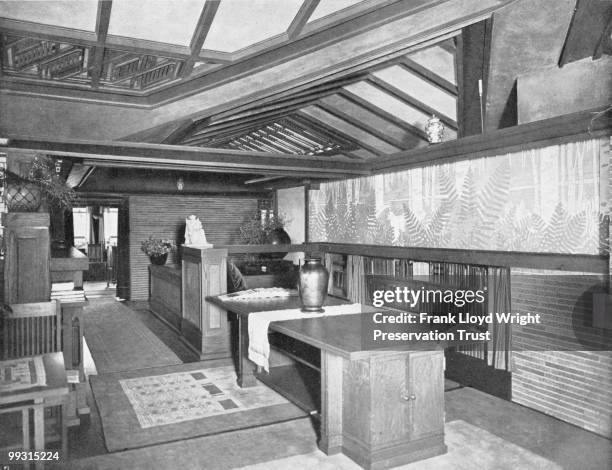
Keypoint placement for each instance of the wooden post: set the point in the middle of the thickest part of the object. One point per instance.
(26, 268)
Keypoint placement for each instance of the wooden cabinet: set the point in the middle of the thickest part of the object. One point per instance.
(204, 325)
(396, 411)
(26, 268)
(165, 294)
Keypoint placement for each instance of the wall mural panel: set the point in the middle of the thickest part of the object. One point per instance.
(539, 200)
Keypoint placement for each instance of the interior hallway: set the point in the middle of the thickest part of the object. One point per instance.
(480, 429)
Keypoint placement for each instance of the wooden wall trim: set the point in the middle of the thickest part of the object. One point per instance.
(513, 259)
(567, 128)
(550, 261)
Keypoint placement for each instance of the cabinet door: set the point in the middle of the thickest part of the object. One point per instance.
(425, 391)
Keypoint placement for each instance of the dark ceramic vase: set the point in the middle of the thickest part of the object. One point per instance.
(159, 260)
(278, 236)
(312, 285)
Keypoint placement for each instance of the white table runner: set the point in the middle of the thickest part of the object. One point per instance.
(259, 346)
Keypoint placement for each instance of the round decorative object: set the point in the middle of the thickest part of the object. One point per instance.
(312, 285)
(159, 260)
(434, 130)
(22, 197)
(278, 236)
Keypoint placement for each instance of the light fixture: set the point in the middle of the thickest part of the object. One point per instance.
(180, 184)
(58, 166)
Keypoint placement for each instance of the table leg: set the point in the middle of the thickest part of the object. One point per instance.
(25, 428)
(39, 432)
(331, 403)
(64, 430)
(78, 280)
(246, 368)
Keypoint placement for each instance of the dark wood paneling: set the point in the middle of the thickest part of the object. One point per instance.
(164, 216)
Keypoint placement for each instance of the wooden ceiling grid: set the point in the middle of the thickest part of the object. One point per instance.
(348, 121)
(366, 111)
(150, 65)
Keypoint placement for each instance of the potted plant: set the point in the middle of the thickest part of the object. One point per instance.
(40, 182)
(157, 249)
(263, 228)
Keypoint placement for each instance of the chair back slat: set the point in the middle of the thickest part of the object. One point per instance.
(32, 329)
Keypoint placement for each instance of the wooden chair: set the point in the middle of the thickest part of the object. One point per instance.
(32, 329)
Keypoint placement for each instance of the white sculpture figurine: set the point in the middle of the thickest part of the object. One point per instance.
(194, 233)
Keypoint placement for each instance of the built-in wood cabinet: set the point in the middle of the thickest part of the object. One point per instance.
(165, 293)
(396, 412)
(203, 325)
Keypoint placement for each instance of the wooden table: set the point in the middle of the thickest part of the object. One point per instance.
(381, 408)
(242, 309)
(36, 399)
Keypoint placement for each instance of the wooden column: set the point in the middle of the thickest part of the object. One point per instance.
(26, 268)
(204, 325)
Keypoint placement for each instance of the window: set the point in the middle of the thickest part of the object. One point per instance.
(80, 217)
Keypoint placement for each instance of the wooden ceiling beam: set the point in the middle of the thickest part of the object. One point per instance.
(272, 139)
(410, 100)
(252, 122)
(371, 107)
(295, 138)
(102, 22)
(584, 35)
(301, 18)
(604, 46)
(310, 94)
(429, 76)
(365, 127)
(322, 126)
(199, 36)
(172, 156)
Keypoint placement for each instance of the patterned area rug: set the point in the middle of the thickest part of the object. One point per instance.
(181, 402)
(172, 398)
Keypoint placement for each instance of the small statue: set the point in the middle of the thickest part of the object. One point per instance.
(194, 233)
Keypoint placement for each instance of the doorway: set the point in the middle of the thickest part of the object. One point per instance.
(98, 226)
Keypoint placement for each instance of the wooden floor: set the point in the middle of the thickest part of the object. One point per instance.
(562, 445)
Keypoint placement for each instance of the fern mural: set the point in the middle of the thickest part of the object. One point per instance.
(494, 203)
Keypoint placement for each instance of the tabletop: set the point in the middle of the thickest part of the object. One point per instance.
(56, 382)
(340, 334)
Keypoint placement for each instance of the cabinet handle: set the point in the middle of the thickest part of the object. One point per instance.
(407, 397)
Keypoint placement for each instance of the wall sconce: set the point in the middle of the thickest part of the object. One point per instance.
(58, 166)
(180, 184)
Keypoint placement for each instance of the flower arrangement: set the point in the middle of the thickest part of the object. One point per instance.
(157, 246)
(41, 177)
